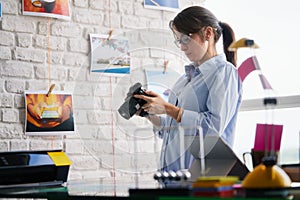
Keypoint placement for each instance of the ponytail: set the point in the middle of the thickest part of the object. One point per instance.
(228, 38)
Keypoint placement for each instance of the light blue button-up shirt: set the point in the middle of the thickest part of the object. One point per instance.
(210, 99)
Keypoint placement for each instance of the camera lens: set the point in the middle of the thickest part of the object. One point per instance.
(132, 104)
(124, 114)
(124, 110)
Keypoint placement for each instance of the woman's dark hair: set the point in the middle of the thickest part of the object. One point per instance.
(194, 18)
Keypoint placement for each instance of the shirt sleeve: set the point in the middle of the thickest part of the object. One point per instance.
(221, 104)
(160, 130)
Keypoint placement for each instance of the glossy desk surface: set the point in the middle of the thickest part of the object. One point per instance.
(96, 190)
(79, 189)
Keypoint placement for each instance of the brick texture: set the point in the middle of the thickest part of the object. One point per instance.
(104, 144)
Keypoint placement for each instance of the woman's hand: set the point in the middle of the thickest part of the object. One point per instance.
(155, 104)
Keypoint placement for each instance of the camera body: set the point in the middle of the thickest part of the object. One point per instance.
(131, 104)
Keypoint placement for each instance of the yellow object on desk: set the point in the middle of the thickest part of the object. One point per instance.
(218, 178)
(264, 177)
(215, 181)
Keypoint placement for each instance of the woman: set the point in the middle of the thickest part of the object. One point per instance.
(207, 96)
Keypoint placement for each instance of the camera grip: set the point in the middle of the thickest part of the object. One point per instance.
(143, 113)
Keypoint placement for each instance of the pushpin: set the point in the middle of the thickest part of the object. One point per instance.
(50, 90)
(110, 34)
(166, 62)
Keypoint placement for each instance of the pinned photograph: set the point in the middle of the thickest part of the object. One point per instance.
(48, 114)
(47, 8)
(170, 5)
(161, 82)
(109, 55)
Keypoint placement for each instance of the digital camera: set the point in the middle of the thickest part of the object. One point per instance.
(132, 104)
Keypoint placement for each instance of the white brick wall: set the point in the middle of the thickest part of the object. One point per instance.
(23, 66)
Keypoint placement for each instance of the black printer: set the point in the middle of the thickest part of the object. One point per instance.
(38, 167)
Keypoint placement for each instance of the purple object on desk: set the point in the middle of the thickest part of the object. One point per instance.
(265, 134)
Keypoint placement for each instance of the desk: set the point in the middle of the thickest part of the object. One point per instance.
(53, 193)
(35, 192)
(96, 191)
(71, 190)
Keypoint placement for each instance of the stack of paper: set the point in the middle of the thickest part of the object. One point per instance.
(214, 186)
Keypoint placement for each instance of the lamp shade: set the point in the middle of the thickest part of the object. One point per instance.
(244, 42)
(266, 177)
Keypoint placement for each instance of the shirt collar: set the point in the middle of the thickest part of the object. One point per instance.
(191, 71)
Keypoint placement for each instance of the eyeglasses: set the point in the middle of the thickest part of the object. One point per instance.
(184, 39)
